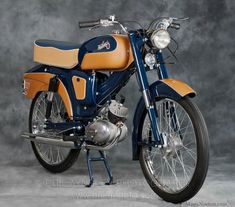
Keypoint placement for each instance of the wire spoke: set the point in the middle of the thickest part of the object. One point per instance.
(190, 152)
(50, 154)
(172, 166)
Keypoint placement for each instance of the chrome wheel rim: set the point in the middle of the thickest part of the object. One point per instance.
(52, 155)
(173, 166)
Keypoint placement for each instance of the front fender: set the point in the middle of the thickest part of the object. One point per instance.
(36, 82)
(170, 88)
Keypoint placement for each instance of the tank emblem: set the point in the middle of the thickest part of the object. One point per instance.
(104, 44)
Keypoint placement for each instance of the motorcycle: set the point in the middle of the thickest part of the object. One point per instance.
(75, 105)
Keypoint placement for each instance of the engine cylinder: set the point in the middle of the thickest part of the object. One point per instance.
(117, 112)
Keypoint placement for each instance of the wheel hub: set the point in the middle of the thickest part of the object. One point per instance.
(174, 144)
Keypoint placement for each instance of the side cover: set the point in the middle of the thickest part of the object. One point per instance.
(36, 82)
(76, 88)
(170, 88)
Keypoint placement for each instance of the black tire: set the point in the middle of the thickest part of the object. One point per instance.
(55, 168)
(200, 172)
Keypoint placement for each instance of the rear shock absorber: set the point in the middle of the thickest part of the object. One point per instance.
(53, 87)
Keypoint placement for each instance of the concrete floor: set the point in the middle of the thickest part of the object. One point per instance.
(28, 184)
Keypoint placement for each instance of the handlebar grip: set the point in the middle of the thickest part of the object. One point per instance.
(175, 25)
(85, 24)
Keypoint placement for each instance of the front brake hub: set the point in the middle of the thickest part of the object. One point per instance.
(174, 144)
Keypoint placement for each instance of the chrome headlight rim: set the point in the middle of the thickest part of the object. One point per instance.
(160, 38)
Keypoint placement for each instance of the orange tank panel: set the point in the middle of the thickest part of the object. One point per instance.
(118, 59)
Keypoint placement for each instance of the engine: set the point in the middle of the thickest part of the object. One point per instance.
(109, 126)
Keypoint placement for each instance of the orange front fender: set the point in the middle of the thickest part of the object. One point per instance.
(179, 87)
(37, 82)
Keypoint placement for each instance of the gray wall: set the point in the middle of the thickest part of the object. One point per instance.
(206, 57)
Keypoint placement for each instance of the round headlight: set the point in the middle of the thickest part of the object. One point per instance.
(160, 38)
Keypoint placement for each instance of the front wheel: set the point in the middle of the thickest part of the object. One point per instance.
(177, 171)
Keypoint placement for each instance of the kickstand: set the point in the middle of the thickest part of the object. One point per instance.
(103, 158)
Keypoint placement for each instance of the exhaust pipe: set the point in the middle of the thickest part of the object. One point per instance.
(47, 140)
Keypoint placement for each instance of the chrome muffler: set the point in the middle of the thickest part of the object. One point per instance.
(56, 141)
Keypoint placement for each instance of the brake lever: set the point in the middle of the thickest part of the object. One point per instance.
(180, 19)
(95, 27)
(174, 24)
(106, 23)
(111, 22)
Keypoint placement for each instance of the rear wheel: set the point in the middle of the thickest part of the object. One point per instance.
(54, 158)
(177, 171)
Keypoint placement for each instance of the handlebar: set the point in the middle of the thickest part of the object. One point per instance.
(102, 23)
(86, 24)
(168, 22)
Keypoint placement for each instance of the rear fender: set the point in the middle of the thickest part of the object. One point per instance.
(36, 82)
(170, 88)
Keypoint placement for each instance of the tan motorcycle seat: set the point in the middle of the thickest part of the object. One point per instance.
(56, 53)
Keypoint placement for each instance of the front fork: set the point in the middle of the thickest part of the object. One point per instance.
(136, 44)
(162, 73)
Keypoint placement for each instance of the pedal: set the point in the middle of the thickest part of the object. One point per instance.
(90, 170)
